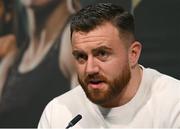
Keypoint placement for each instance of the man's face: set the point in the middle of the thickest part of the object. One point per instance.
(102, 63)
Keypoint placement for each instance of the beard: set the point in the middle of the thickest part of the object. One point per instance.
(113, 87)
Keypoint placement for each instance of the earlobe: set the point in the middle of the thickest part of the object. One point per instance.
(134, 53)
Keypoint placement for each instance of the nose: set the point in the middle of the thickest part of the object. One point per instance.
(91, 66)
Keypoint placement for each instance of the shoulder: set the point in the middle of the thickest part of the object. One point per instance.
(167, 97)
(63, 108)
(161, 82)
(164, 89)
(167, 84)
(164, 99)
(69, 97)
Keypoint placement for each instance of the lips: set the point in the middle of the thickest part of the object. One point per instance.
(95, 83)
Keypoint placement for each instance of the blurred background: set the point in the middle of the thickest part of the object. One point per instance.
(36, 64)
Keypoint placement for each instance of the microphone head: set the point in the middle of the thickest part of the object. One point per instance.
(76, 119)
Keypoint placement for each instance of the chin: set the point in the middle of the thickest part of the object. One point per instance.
(97, 96)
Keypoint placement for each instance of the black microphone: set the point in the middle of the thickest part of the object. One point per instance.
(74, 121)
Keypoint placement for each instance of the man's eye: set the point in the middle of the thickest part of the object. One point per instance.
(81, 58)
(103, 55)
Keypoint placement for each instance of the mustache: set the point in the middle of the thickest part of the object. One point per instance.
(95, 78)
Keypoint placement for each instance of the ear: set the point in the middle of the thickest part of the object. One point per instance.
(134, 53)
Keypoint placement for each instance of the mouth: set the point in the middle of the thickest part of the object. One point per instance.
(95, 84)
(95, 81)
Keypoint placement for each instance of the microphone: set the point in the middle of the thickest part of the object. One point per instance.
(74, 121)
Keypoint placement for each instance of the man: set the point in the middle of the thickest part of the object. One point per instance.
(115, 90)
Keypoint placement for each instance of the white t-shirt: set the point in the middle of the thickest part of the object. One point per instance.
(155, 105)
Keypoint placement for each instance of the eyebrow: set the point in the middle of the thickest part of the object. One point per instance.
(75, 52)
(101, 48)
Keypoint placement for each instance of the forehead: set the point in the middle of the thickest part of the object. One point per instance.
(104, 34)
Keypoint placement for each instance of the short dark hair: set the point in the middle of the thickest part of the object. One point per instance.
(91, 16)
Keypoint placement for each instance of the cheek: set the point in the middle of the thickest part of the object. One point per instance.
(111, 71)
(114, 68)
(79, 69)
